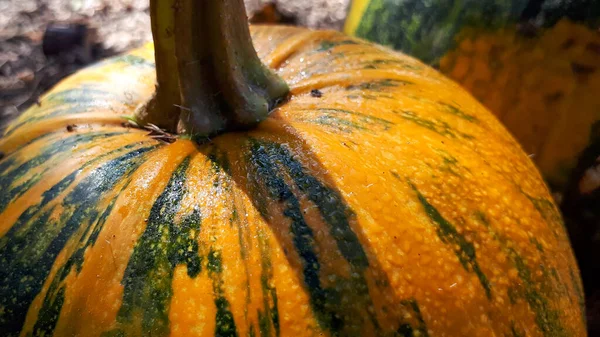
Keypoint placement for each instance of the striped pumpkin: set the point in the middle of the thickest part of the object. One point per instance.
(379, 200)
(533, 63)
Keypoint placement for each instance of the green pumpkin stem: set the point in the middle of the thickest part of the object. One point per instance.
(204, 53)
(164, 106)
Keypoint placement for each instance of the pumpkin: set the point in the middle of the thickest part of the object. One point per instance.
(533, 63)
(377, 199)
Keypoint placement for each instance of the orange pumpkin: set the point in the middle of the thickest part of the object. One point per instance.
(380, 199)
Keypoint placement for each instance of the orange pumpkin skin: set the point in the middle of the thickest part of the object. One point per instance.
(380, 200)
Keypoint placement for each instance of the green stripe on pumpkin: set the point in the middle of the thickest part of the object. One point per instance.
(70, 101)
(335, 123)
(270, 164)
(332, 207)
(547, 319)
(378, 85)
(438, 126)
(549, 212)
(269, 317)
(450, 164)
(57, 103)
(382, 63)
(54, 297)
(406, 330)
(30, 247)
(579, 292)
(515, 332)
(220, 168)
(82, 95)
(264, 171)
(49, 313)
(224, 322)
(327, 45)
(458, 112)
(12, 171)
(464, 250)
(337, 119)
(273, 163)
(163, 246)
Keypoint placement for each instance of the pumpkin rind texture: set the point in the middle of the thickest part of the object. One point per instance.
(380, 200)
(533, 63)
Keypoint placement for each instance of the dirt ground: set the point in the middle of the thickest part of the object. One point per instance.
(26, 71)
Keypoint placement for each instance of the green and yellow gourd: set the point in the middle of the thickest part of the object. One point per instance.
(533, 63)
(376, 198)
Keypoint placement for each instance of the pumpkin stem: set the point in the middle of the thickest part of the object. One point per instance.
(163, 109)
(222, 84)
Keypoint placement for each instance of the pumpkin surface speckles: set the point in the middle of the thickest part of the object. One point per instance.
(392, 204)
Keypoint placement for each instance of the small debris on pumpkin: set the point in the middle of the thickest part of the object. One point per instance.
(160, 134)
(316, 93)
